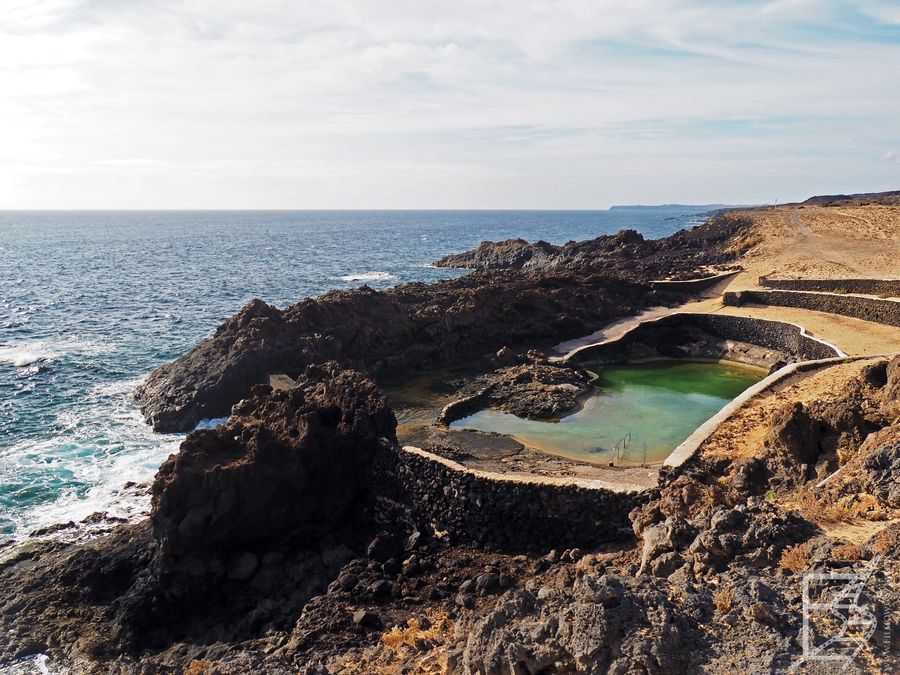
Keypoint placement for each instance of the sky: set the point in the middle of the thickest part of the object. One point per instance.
(565, 104)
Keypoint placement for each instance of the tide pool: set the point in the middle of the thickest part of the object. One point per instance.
(638, 407)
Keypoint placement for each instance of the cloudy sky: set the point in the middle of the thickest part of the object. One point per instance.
(449, 104)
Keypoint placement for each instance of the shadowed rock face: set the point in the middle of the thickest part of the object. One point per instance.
(399, 330)
(288, 462)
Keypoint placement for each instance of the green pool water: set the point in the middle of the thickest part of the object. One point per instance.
(659, 404)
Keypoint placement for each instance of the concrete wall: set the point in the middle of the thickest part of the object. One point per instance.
(674, 334)
(863, 286)
(501, 513)
(692, 285)
(855, 306)
(692, 443)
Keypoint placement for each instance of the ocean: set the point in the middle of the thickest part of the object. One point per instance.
(91, 302)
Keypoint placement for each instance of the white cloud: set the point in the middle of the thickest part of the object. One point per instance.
(410, 103)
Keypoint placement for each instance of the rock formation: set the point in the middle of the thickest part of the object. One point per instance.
(627, 253)
(289, 462)
(399, 330)
(298, 563)
(534, 390)
(298, 538)
(534, 299)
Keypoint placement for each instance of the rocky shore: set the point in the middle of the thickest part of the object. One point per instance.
(300, 537)
(418, 326)
(684, 255)
(279, 543)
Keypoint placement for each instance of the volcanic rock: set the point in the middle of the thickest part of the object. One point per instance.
(288, 462)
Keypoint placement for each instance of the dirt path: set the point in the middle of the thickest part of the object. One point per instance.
(828, 249)
(822, 242)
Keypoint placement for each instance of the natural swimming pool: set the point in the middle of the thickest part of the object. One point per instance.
(637, 407)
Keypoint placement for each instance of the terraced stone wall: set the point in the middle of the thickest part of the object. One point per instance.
(680, 336)
(857, 307)
(889, 287)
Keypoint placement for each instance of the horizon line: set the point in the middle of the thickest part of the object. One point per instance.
(364, 210)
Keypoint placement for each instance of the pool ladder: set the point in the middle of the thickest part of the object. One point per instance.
(621, 447)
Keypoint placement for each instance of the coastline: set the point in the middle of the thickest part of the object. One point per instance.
(301, 534)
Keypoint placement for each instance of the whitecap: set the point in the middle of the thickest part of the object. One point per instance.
(134, 454)
(95, 450)
(21, 354)
(210, 423)
(368, 276)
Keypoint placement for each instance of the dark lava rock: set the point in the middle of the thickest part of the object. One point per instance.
(679, 255)
(242, 566)
(535, 391)
(395, 331)
(384, 547)
(366, 618)
(488, 583)
(881, 465)
(288, 461)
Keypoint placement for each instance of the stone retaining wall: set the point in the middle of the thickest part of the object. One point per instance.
(691, 285)
(862, 286)
(502, 513)
(674, 336)
(855, 306)
(463, 407)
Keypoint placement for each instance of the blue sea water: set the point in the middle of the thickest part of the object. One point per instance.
(91, 302)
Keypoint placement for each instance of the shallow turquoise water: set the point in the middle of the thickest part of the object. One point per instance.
(659, 404)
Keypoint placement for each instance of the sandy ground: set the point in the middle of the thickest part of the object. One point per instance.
(802, 243)
(741, 435)
(822, 242)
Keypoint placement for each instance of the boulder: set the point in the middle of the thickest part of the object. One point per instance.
(288, 462)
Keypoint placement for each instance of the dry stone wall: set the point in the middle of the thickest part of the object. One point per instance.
(503, 514)
(854, 306)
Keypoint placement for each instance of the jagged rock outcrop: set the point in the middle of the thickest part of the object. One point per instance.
(605, 624)
(395, 331)
(711, 584)
(625, 253)
(288, 462)
(248, 521)
(530, 390)
(564, 292)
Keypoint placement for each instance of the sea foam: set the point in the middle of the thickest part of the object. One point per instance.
(368, 276)
(21, 354)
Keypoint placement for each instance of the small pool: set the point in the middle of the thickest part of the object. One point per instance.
(638, 407)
